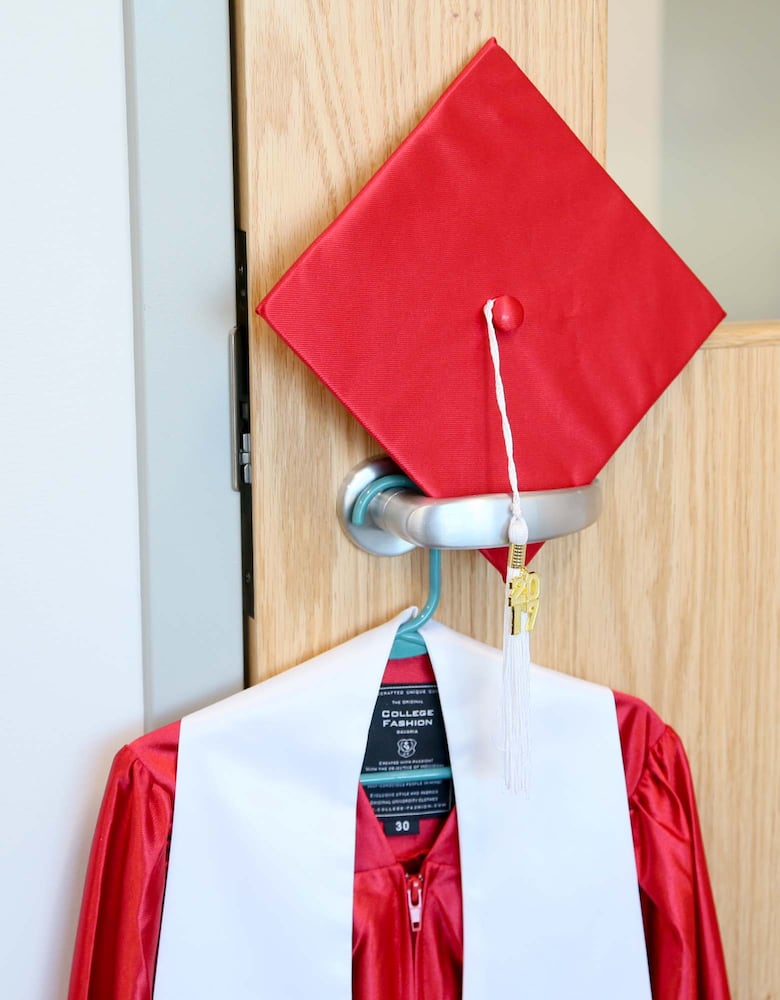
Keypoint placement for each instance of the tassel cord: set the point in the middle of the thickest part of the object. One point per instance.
(515, 709)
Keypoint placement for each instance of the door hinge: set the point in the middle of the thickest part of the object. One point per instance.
(245, 459)
(240, 436)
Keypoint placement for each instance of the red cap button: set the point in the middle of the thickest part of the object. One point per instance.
(508, 313)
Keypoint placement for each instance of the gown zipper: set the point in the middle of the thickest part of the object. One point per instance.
(414, 902)
(414, 897)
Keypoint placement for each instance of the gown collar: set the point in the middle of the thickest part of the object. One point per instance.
(373, 849)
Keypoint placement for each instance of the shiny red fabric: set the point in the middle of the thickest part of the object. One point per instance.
(492, 194)
(118, 932)
(390, 961)
(119, 927)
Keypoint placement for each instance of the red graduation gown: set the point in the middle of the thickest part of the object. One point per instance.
(118, 933)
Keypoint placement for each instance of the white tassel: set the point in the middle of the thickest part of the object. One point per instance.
(516, 695)
(520, 607)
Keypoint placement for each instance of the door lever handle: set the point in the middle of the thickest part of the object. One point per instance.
(398, 520)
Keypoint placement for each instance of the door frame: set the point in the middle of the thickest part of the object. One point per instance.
(180, 139)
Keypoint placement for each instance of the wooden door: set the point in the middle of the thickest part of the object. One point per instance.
(673, 595)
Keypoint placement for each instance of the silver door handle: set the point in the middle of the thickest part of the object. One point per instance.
(398, 520)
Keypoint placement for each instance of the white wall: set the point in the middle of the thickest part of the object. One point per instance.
(693, 137)
(634, 101)
(181, 172)
(70, 632)
(721, 148)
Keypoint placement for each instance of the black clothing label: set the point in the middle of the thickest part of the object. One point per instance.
(407, 734)
(410, 800)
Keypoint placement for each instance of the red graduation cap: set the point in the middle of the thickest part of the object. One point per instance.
(493, 195)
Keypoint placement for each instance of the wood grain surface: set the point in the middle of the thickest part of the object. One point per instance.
(745, 334)
(326, 91)
(674, 594)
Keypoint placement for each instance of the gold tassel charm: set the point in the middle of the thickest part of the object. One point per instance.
(524, 590)
(520, 610)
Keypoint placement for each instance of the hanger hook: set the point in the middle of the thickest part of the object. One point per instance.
(358, 517)
(434, 595)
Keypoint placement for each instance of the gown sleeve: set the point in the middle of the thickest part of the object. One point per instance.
(681, 928)
(119, 926)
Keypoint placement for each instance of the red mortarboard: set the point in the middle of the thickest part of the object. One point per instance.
(492, 194)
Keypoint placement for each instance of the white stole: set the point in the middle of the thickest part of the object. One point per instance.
(258, 900)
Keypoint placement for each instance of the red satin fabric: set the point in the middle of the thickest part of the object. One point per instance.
(116, 942)
(389, 961)
(118, 933)
(492, 194)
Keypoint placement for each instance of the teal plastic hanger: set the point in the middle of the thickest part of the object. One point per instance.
(399, 777)
(408, 641)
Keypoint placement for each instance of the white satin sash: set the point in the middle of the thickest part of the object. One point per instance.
(258, 899)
